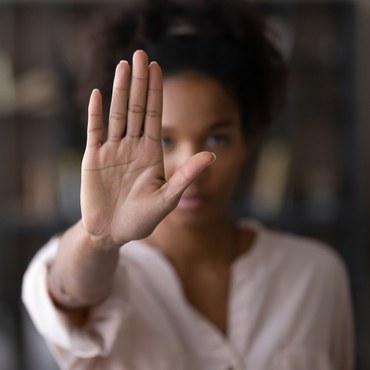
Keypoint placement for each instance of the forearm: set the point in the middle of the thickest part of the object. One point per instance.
(82, 273)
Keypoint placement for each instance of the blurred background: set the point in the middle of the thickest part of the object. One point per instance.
(311, 174)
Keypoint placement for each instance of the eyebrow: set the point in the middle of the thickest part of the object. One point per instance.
(220, 124)
(214, 126)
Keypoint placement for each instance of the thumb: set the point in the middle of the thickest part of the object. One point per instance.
(187, 173)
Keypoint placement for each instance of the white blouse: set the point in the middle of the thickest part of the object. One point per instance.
(289, 309)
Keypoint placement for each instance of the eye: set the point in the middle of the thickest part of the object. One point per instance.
(167, 142)
(217, 140)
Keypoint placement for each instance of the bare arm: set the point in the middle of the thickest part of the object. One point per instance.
(124, 194)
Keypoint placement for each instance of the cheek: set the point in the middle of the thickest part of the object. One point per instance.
(167, 167)
(171, 163)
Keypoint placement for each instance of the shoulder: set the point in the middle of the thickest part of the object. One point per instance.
(298, 256)
(307, 254)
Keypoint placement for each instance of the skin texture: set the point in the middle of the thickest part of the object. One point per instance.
(198, 236)
(125, 175)
(140, 182)
(199, 115)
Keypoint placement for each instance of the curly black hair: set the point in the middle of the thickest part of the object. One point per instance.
(223, 39)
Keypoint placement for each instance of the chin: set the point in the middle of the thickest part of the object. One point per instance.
(194, 218)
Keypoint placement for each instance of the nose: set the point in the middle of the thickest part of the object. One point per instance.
(185, 151)
(179, 155)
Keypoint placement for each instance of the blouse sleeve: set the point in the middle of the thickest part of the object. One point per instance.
(342, 324)
(68, 342)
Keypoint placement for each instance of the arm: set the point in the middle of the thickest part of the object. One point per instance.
(124, 194)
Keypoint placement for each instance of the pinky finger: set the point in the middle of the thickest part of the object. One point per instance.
(95, 126)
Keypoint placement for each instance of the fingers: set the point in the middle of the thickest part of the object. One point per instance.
(153, 113)
(118, 109)
(136, 108)
(95, 126)
(138, 95)
(187, 173)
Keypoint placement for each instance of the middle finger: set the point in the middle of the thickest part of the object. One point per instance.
(138, 95)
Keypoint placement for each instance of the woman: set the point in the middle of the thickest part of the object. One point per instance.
(157, 274)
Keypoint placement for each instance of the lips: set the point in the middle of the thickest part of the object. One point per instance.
(191, 201)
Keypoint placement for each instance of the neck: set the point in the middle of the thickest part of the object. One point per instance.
(216, 243)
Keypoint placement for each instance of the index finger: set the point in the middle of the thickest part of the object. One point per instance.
(95, 126)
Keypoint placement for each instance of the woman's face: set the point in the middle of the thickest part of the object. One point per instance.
(199, 114)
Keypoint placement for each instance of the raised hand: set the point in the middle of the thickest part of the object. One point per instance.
(124, 194)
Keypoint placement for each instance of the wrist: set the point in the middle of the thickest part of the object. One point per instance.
(82, 272)
(103, 243)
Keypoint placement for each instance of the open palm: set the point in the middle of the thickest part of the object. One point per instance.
(124, 193)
